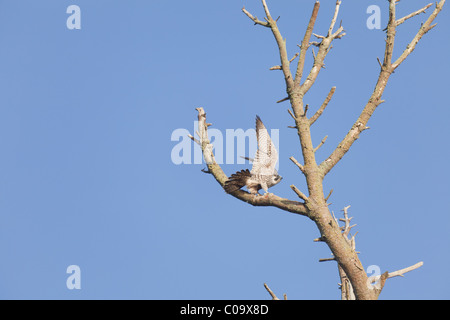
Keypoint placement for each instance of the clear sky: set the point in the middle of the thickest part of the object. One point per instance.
(87, 177)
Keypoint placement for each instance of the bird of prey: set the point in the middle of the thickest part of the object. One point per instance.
(263, 174)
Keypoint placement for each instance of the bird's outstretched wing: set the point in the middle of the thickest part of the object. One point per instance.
(266, 156)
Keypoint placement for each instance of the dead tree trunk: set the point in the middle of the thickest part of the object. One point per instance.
(355, 282)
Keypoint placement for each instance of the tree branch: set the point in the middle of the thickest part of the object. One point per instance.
(302, 169)
(274, 297)
(327, 259)
(346, 287)
(375, 100)
(333, 21)
(305, 44)
(329, 195)
(321, 143)
(400, 21)
(422, 31)
(322, 107)
(272, 24)
(275, 68)
(300, 194)
(399, 273)
(266, 10)
(215, 169)
(324, 48)
(282, 100)
(255, 19)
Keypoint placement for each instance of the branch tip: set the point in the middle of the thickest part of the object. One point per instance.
(329, 195)
(322, 107)
(274, 297)
(321, 144)
(300, 194)
(302, 169)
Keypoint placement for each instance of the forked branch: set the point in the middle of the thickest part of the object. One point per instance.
(427, 26)
(378, 281)
(215, 169)
(324, 48)
(272, 24)
(386, 70)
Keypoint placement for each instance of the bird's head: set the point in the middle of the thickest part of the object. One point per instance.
(276, 178)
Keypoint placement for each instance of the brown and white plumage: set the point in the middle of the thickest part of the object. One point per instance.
(263, 174)
(266, 155)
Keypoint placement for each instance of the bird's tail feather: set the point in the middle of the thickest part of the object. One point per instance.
(237, 181)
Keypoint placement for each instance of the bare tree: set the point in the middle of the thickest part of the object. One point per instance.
(355, 283)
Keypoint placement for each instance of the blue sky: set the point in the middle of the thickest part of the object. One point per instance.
(87, 179)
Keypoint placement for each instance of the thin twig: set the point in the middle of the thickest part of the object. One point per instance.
(193, 139)
(282, 100)
(327, 259)
(400, 21)
(274, 297)
(322, 107)
(305, 43)
(295, 56)
(255, 19)
(292, 115)
(279, 68)
(302, 169)
(300, 194)
(329, 195)
(321, 143)
(379, 62)
(399, 273)
(266, 9)
(333, 21)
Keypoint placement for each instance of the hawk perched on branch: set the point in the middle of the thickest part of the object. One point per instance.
(263, 174)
